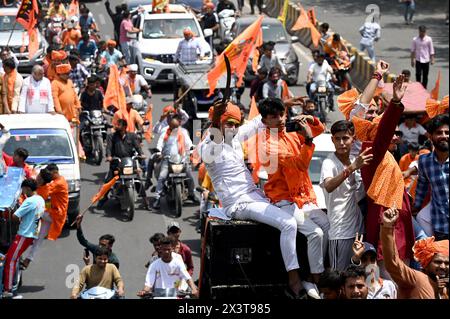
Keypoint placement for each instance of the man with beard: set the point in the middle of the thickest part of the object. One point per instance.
(433, 173)
(354, 283)
(432, 281)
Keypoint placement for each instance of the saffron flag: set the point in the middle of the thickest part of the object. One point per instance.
(238, 53)
(253, 109)
(105, 188)
(159, 6)
(302, 22)
(435, 91)
(115, 93)
(256, 52)
(74, 8)
(27, 16)
(149, 118)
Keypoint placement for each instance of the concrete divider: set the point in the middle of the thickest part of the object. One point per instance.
(363, 67)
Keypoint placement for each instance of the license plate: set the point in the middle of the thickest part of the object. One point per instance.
(170, 76)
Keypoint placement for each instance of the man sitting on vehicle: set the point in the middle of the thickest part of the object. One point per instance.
(57, 8)
(174, 232)
(320, 71)
(136, 82)
(189, 49)
(99, 274)
(87, 22)
(29, 214)
(174, 140)
(270, 60)
(210, 21)
(79, 73)
(71, 36)
(112, 55)
(134, 120)
(167, 272)
(275, 86)
(119, 144)
(333, 46)
(257, 84)
(106, 240)
(86, 46)
(91, 99)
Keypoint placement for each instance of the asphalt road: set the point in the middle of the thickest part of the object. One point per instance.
(346, 17)
(56, 266)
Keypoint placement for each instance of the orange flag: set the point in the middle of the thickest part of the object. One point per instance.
(238, 52)
(149, 118)
(435, 92)
(255, 55)
(74, 8)
(115, 94)
(105, 188)
(303, 21)
(27, 16)
(253, 109)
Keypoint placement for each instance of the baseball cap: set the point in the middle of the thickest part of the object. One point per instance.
(173, 224)
(368, 247)
(133, 68)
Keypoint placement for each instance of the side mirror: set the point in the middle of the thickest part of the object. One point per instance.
(207, 33)
(295, 39)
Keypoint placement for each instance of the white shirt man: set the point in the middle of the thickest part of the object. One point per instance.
(161, 125)
(269, 63)
(170, 146)
(36, 95)
(188, 51)
(411, 135)
(167, 275)
(323, 71)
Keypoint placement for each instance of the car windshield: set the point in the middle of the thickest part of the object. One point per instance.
(48, 144)
(316, 166)
(271, 32)
(168, 28)
(7, 24)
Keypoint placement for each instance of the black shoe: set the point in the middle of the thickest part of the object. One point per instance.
(156, 204)
(194, 198)
(102, 203)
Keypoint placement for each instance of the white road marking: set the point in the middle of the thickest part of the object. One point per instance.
(101, 17)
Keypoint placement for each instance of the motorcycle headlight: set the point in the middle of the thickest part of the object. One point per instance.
(177, 168)
(322, 89)
(97, 121)
(73, 185)
(127, 170)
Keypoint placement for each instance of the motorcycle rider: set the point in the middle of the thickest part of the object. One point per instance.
(79, 73)
(91, 99)
(174, 140)
(57, 9)
(270, 60)
(224, 5)
(275, 87)
(71, 36)
(132, 116)
(136, 82)
(119, 144)
(210, 20)
(87, 22)
(167, 271)
(320, 71)
(101, 273)
(86, 46)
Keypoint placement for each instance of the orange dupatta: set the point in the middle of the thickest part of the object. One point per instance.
(10, 79)
(180, 139)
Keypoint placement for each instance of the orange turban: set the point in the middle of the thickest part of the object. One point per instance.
(233, 113)
(111, 42)
(425, 249)
(210, 5)
(168, 109)
(435, 108)
(59, 55)
(188, 31)
(63, 68)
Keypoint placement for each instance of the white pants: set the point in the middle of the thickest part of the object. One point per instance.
(313, 223)
(46, 222)
(271, 215)
(424, 220)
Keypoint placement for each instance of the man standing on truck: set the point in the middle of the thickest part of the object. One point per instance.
(189, 49)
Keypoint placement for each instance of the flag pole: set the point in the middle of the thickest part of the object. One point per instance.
(82, 214)
(12, 31)
(193, 84)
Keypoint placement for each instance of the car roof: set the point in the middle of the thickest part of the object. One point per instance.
(34, 121)
(8, 12)
(323, 143)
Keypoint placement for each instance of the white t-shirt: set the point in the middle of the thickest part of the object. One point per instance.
(411, 135)
(387, 291)
(342, 204)
(166, 275)
(139, 82)
(323, 70)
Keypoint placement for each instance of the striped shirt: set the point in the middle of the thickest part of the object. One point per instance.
(434, 174)
(188, 51)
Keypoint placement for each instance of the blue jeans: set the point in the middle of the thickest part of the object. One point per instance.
(370, 50)
(125, 48)
(410, 8)
(164, 173)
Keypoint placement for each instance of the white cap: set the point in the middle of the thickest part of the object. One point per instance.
(133, 68)
(129, 99)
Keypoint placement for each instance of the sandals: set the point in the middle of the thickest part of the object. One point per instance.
(291, 295)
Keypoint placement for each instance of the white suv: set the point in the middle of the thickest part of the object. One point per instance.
(158, 42)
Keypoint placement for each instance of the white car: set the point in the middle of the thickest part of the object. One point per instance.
(323, 148)
(158, 42)
(18, 39)
(48, 139)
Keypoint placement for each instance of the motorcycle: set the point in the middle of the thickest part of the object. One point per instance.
(341, 68)
(175, 188)
(93, 134)
(166, 293)
(323, 98)
(226, 20)
(129, 183)
(99, 293)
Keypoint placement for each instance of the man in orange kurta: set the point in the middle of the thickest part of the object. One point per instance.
(64, 95)
(289, 185)
(59, 201)
(57, 58)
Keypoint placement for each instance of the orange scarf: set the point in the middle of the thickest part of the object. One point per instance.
(346, 101)
(435, 108)
(10, 79)
(387, 185)
(180, 139)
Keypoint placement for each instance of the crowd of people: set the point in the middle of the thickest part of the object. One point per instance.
(387, 180)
